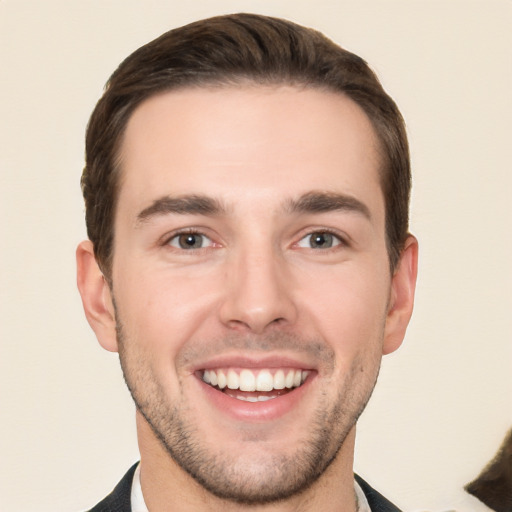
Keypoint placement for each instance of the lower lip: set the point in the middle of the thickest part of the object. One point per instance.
(256, 411)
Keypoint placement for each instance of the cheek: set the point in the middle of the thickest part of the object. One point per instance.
(349, 311)
(162, 310)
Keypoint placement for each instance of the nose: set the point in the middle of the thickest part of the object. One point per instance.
(258, 292)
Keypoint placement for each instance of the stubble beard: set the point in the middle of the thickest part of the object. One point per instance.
(233, 477)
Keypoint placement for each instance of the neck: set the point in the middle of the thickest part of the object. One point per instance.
(166, 486)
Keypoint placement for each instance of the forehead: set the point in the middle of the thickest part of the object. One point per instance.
(247, 144)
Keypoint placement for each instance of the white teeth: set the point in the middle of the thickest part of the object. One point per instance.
(247, 398)
(233, 380)
(261, 398)
(264, 398)
(247, 381)
(279, 380)
(221, 379)
(264, 381)
(253, 380)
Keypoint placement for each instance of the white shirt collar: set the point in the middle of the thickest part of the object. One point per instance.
(362, 502)
(138, 504)
(137, 499)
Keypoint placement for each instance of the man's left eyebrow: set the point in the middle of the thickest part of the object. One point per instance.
(322, 202)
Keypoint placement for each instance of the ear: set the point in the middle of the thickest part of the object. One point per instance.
(401, 301)
(96, 296)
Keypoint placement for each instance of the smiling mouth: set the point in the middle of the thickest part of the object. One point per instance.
(255, 385)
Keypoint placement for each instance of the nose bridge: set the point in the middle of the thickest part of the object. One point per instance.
(258, 292)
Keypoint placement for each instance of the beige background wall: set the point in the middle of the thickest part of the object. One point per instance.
(444, 401)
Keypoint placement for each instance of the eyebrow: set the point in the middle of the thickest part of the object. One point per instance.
(195, 204)
(322, 202)
(182, 205)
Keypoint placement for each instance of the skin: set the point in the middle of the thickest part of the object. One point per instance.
(254, 293)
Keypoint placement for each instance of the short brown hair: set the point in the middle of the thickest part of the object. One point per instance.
(230, 50)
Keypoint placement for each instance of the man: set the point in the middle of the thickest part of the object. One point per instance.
(246, 187)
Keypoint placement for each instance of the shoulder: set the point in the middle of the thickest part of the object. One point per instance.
(376, 501)
(119, 499)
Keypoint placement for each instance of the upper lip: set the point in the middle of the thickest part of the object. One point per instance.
(252, 362)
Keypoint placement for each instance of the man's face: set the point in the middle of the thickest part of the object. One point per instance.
(250, 255)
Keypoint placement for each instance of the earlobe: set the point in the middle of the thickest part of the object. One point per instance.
(401, 303)
(96, 296)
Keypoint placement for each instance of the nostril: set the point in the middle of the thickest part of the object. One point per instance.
(247, 307)
(239, 325)
(255, 326)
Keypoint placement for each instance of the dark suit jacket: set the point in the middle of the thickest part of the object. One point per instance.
(119, 499)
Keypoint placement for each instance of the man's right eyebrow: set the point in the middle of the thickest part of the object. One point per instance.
(181, 205)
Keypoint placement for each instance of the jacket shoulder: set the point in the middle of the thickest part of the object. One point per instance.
(119, 500)
(376, 501)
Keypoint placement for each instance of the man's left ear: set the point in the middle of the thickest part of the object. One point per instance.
(401, 299)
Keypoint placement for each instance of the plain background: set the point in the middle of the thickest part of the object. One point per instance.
(444, 400)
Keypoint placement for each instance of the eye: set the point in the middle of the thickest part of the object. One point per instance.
(320, 240)
(189, 241)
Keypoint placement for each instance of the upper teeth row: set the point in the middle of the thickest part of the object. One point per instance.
(245, 380)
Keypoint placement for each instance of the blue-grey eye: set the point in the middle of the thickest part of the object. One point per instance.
(190, 241)
(319, 240)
